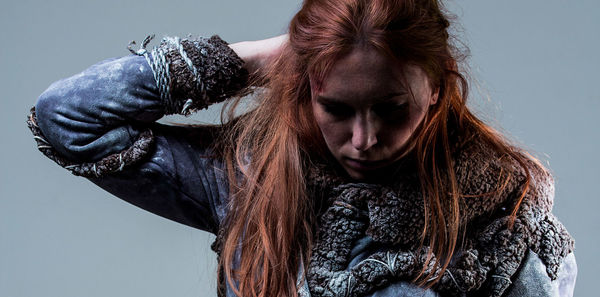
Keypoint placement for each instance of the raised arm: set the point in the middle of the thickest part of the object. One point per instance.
(100, 124)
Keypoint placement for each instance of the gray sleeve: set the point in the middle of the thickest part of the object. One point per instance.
(100, 124)
(182, 180)
(99, 111)
(532, 279)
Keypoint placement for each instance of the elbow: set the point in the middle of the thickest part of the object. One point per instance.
(53, 99)
(66, 128)
(85, 117)
(47, 110)
(45, 104)
(73, 127)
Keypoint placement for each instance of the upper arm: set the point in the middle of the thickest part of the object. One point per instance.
(532, 279)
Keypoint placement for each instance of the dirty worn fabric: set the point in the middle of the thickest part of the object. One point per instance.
(193, 72)
(100, 124)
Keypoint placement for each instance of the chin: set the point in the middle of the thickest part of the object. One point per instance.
(358, 175)
(368, 176)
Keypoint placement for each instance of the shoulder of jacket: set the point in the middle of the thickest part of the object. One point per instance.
(532, 280)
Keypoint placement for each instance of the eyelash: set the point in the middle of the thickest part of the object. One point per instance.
(338, 110)
(393, 110)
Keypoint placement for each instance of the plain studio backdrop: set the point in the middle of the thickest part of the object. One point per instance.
(536, 63)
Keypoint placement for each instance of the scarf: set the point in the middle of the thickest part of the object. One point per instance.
(392, 215)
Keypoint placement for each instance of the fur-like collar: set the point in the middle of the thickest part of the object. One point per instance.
(392, 215)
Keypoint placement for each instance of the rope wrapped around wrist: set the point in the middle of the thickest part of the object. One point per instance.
(194, 72)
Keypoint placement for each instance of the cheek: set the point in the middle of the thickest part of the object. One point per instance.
(395, 134)
(334, 133)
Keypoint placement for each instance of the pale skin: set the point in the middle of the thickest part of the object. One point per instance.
(257, 53)
(367, 107)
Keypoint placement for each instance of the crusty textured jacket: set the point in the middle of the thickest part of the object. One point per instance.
(100, 124)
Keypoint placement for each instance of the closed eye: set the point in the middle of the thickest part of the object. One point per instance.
(391, 110)
(338, 110)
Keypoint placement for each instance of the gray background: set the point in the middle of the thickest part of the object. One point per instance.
(536, 62)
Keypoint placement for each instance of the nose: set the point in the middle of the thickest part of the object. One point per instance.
(364, 134)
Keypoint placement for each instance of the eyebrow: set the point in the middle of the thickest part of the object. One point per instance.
(382, 99)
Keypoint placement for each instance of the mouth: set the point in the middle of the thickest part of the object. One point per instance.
(364, 164)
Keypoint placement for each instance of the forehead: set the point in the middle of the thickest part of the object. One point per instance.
(363, 73)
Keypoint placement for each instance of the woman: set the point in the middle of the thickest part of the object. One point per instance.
(359, 172)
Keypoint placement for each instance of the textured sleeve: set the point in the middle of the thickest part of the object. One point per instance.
(100, 124)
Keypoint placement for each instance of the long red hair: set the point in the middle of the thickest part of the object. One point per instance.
(271, 220)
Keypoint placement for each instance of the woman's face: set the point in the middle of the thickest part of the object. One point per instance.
(368, 107)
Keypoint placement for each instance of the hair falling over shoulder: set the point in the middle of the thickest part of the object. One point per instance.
(271, 220)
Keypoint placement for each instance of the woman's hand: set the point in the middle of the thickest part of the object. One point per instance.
(257, 54)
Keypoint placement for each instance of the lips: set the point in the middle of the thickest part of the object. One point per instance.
(364, 164)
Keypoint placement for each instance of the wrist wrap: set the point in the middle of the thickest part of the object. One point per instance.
(194, 72)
